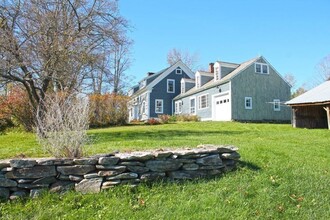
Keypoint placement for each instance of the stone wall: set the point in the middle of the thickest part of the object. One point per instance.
(29, 177)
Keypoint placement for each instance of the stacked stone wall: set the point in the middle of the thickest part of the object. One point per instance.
(29, 177)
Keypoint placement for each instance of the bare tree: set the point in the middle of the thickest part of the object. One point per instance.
(52, 45)
(62, 129)
(291, 79)
(186, 57)
(323, 69)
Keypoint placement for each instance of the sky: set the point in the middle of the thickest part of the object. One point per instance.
(293, 35)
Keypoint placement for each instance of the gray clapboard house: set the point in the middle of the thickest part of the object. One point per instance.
(250, 91)
(154, 94)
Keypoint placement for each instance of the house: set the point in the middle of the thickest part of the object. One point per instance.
(249, 91)
(154, 94)
(312, 109)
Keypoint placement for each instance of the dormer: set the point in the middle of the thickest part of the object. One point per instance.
(222, 69)
(187, 84)
(143, 84)
(202, 78)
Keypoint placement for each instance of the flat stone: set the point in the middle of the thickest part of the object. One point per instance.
(132, 163)
(64, 177)
(119, 169)
(107, 173)
(91, 176)
(186, 160)
(25, 180)
(226, 149)
(187, 174)
(138, 169)
(124, 176)
(7, 169)
(75, 178)
(7, 183)
(165, 154)
(97, 156)
(18, 195)
(32, 186)
(190, 166)
(108, 160)
(45, 180)
(61, 186)
(35, 172)
(89, 185)
(231, 156)
(22, 163)
(210, 160)
(215, 167)
(163, 165)
(152, 176)
(193, 156)
(75, 170)
(54, 161)
(35, 193)
(4, 163)
(111, 183)
(85, 161)
(138, 156)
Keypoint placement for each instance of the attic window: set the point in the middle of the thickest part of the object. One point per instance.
(178, 71)
(261, 68)
(198, 82)
(183, 87)
(216, 74)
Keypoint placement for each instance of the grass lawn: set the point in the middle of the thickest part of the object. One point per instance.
(283, 174)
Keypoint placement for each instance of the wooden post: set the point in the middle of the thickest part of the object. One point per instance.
(294, 117)
(327, 109)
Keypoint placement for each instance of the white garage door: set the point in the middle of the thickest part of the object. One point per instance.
(222, 108)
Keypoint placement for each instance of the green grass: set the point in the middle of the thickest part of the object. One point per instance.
(284, 174)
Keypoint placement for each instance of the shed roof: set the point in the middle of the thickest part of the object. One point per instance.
(319, 94)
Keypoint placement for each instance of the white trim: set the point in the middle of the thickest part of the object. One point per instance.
(198, 80)
(262, 65)
(228, 92)
(178, 72)
(182, 87)
(170, 80)
(177, 109)
(207, 101)
(278, 102)
(248, 107)
(162, 109)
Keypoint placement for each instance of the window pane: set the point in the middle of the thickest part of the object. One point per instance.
(258, 68)
(265, 69)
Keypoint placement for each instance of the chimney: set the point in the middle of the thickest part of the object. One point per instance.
(211, 67)
(150, 73)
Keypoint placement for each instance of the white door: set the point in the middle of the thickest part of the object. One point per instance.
(222, 108)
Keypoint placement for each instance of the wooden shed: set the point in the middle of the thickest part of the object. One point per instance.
(312, 109)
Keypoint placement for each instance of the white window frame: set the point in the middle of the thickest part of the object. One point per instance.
(168, 81)
(162, 106)
(178, 107)
(192, 107)
(198, 81)
(216, 73)
(178, 71)
(245, 102)
(200, 101)
(143, 108)
(262, 66)
(277, 105)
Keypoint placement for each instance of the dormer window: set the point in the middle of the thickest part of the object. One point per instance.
(183, 87)
(178, 71)
(261, 68)
(143, 84)
(216, 74)
(198, 81)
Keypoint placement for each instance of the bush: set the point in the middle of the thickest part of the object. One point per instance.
(164, 118)
(15, 108)
(108, 109)
(152, 121)
(62, 128)
(187, 118)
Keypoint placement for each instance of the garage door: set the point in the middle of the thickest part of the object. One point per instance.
(222, 108)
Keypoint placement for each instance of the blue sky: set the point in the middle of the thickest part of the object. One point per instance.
(293, 35)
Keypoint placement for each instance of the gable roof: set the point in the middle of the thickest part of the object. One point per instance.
(225, 79)
(317, 95)
(162, 74)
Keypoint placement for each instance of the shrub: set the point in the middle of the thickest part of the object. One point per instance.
(164, 118)
(152, 121)
(185, 117)
(107, 109)
(15, 108)
(62, 128)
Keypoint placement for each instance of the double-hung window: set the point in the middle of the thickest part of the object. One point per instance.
(170, 86)
(277, 105)
(193, 106)
(248, 103)
(159, 106)
(261, 68)
(203, 101)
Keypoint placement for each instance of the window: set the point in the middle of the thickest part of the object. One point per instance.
(178, 107)
(198, 82)
(171, 86)
(159, 106)
(143, 84)
(183, 87)
(131, 112)
(216, 74)
(178, 71)
(143, 107)
(192, 106)
(203, 101)
(277, 105)
(248, 103)
(261, 68)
